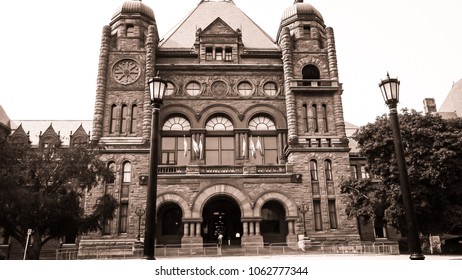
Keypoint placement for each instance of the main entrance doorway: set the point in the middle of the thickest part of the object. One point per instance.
(222, 215)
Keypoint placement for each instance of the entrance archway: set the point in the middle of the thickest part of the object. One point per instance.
(170, 226)
(222, 214)
(273, 227)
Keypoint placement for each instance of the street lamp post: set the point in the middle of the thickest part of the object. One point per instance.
(390, 92)
(303, 209)
(139, 212)
(157, 88)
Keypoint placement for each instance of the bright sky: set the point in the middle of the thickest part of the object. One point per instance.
(49, 50)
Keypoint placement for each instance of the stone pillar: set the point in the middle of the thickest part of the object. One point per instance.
(251, 228)
(286, 46)
(186, 229)
(257, 228)
(198, 230)
(98, 116)
(245, 229)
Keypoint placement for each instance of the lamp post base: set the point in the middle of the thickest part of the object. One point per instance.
(417, 256)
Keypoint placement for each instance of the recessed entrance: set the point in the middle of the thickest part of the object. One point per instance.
(222, 214)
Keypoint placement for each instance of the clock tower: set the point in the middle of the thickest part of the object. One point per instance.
(122, 111)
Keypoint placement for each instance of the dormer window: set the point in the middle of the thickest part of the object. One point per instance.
(228, 54)
(219, 53)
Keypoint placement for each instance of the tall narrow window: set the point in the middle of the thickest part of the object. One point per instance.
(123, 218)
(314, 111)
(305, 117)
(364, 173)
(324, 118)
(317, 215)
(208, 53)
(127, 171)
(113, 121)
(228, 54)
(332, 214)
(219, 53)
(112, 167)
(328, 170)
(123, 119)
(354, 171)
(313, 170)
(134, 118)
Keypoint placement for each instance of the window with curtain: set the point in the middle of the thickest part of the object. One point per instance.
(176, 146)
(266, 146)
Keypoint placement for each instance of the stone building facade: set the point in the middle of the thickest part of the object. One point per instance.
(251, 128)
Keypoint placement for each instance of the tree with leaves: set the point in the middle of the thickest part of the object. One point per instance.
(433, 154)
(41, 190)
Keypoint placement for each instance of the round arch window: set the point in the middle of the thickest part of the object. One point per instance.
(245, 89)
(270, 89)
(261, 123)
(219, 123)
(193, 88)
(170, 89)
(177, 123)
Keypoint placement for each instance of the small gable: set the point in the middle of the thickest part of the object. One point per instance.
(218, 27)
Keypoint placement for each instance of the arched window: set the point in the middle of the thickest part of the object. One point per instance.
(264, 148)
(328, 170)
(112, 166)
(134, 118)
(113, 120)
(314, 170)
(311, 72)
(317, 215)
(219, 123)
(176, 145)
(219, 148)
(176, 123)
(127, 172)
(261, 123)
(270, 89)
(123, 119)
(324, 118)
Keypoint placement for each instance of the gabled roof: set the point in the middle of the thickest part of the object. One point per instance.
(64, 128)
(183, 35)
(453, 101)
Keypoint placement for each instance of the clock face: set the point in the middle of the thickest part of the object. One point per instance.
(126, 71)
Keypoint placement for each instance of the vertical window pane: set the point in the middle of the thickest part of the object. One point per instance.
(127, 171)
(324, 118)
(332, 214)
(314, 110)
(112, 125)
(328, 170)
(134, 119)
(313, 170)
(317, 215)
(123, 119)
(123, 218)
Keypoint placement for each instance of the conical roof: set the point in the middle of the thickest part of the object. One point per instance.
(453, 101)
(134, 7)
(184, 34)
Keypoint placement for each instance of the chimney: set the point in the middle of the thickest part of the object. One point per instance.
(429, 105)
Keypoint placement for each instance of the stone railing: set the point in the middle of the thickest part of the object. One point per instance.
(313, 83)
(222, 169)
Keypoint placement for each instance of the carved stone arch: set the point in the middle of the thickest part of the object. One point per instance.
(177, 199)
(231, 113)
(322, 66)
(289, 205)
(278, 117)
(188, 113)
(205, 195)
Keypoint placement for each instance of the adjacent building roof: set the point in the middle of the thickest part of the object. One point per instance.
(183, 35)
(63, 128)
(4, 119)
(452, 105)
